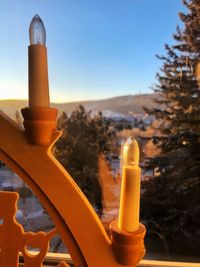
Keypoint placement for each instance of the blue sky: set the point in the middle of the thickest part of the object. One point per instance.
(96, 48)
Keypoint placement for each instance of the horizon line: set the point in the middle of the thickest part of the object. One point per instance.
(75, 101)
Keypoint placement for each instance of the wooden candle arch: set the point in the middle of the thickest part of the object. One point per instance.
(74, 218)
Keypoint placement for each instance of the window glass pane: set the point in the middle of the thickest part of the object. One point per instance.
(108, 85)
(30, 212)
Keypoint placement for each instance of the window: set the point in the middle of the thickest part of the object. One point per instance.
(101, 66)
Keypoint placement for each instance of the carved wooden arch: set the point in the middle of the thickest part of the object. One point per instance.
(61, 227)
(72, 214)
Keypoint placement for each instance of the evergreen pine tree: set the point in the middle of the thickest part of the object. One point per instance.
(84, 138)
(172, 198)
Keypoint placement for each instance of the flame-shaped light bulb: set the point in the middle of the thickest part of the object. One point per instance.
(131, 152)
(37, 32)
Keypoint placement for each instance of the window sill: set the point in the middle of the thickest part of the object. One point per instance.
(52, 259)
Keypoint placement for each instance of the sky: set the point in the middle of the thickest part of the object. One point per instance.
(96, 49)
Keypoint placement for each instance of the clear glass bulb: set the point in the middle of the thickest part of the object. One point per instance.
(131, 152)
(37, 32)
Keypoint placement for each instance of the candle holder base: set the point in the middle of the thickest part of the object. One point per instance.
(128, 246)
(39, 123)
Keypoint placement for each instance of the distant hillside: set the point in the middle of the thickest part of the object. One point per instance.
(121, 105)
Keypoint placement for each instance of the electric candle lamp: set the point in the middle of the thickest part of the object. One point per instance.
(39, 118)
(38, 68)
(130, 188)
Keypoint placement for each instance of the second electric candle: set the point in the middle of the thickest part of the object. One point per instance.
(130, 188)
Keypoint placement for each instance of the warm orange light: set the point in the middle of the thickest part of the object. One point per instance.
(131, 152)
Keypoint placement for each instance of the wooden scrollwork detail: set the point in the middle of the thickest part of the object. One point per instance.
(13, 238)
